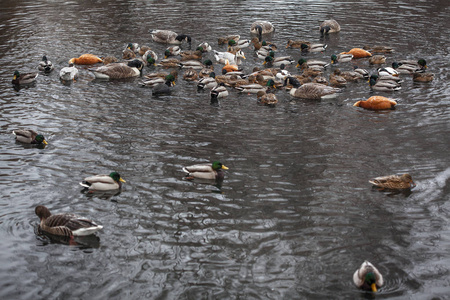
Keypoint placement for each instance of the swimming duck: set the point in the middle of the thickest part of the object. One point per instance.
(128, 54)
(205, 47)
(240, 43)
(190, 75)
(24, 78)
(29, 137)
(109, 60)
(192, 55)
(65, 224)
(337, 80)
(261, 27)
(231, 80)
(208, 68)
(404, 68)
(348, 75)
(367, 277)
(206, 171)
(170, 63)
(195, 64)
(419, 64)
(45, 65)
(133, 47)
(226, 39)
(113, 181)
(172, 51)
(207, 82)
(383, 85)
(377, 60)
(341, 58)
(164, 88)
(393, 182)
(234, 59)
(329, 26)
(313, 48)
(219, 91)
(86, 59)
(69, 73)
(312, 64)
(314, 91)
(169, 37)
(296, 43)
(268, 99)
(358, 53)
(118, 70)
(152, 82)
(142, 49)
(379, 49)
(387, 72)
(277, 61)
(376, 103)
(363, 73)
(421, 76)
(255, 87)
(150, 57)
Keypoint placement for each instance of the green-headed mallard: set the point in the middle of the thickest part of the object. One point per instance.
(364, 74)
(377, 59)
(312, 64)
(118, 70)
(219, 91)
(150, 57)
(393, 182)
(45, 65)
(335, 58)
(169, 37)
(271, 61)
(133, 47)
(170, 63)
(254, 88)
(314, 91)
(404, 68)
(65, 224)
(85, 59)
(29, 137)
(110, 182)
(383, 85)
(377, 103)
(387, 72)
(367, 277)
(206, 171)
(296, 43)
(172, 51)
(207, 82)
(329, 26)
(164, 88)
(313, 48)
(226, 39)
(205, 47)
(419, 64)
(69, 73)
(24, 78)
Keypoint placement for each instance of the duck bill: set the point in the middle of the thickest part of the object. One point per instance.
(374, 287)
(44, 142)
(121, 180)
(264, 62)
(224, 167)
(298, 65)
(15, 77)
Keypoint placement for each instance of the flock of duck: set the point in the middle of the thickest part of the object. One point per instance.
(310, 84)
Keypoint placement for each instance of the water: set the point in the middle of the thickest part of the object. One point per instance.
(295, 215)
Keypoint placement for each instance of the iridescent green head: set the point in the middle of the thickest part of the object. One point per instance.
(231, 42)
(271, 83)
(151, 60)
(208, 62)
(40, 139)
(16, 74)
(218, 165)
(334, 58)
(300, 62)
(167, 53)
(422, 62)
(116, 177)
(170, 79)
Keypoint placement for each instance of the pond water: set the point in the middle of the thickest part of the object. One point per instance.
(295, 215)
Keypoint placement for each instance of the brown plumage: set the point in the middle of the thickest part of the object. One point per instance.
(420, 76)
(376, 103)
(190, 75)
(393, 182)
(377, 60)
(191, 55)
(297, 43)
(337, 80)
(268, 99)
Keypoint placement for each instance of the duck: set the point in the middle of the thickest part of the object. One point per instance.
(110, 182)
(234, 46)
(277, 61)
(363, 73)
(261, 27)
(133, 47)
(172, 51)
(128, 54)
(150, 57)
(205, 47)
(379, 49)
(207, 82)
(421, 76)
(45, 65)
(313, 48)
(169, 37)
(337, 80)
(387, 72)
(194, 64)
(234, 59)
(419, 64)
(24, 78)
(404, 68)
(170, 63)
(377, 103)
(65, 224)
(320, 79)
(257, 44)
(268, 99)
(296, 43)
(348, 75)
(312, 64)
(383, 85)
(28, 136)
(69, 73)
(86, 59)
(231, 80)
(358, 53)
(152, 82)
(313, 91)
(367, 277)
(109, 60)
(393, 182)
(219, 91)
(192, 55)
(329, 26)
(224, 40)
(206, 171)
(335, 58)
(118, 70)
(377, 59)
(164, 88)
(254, 88)
(142, 49)
(208, 68)
(190, 75)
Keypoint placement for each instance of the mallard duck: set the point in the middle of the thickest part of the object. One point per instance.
(233, 59)
(419, 64)
(109, 60)
(29, 137)
(387, 72)
(383, 85)
(133, 47)
(358, 53)
(337, 80)
(364, 74)
(206, 171)
(45, 65)
(170, 63)
(205, 47)
(367, 277)
(329, 26)
(161, 74)
(142, 49)
(69, 73)
(169, 37)
(312, 64)
(85, 59)
(376, 103)
(314, 91)
(268, 99)
(113, 181)
(348, 75)
(313, 48)
(194, 64)
(296, 43)
(320, 79)
(261, 27)
(24, 78)
(393, 182)
(255, 87)
(118, 70)
(379, 49)
(128, 54)
(219, 91)
(231, 80)
(65, 224)
(152, 82)
(239, 44)
(277, 61)
(192, 55)
(422, 76)
(341, 58)
(207, 82)
(172, 51)
(164, 88)
(377, 59)
(404, 68)
(226, 39)
(190, 75)
(150, 57)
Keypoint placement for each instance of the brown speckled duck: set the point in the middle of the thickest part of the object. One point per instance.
(394, 182)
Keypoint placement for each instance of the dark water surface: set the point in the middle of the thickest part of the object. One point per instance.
(295, 215)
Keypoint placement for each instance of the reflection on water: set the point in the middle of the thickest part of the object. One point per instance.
(295, 215)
